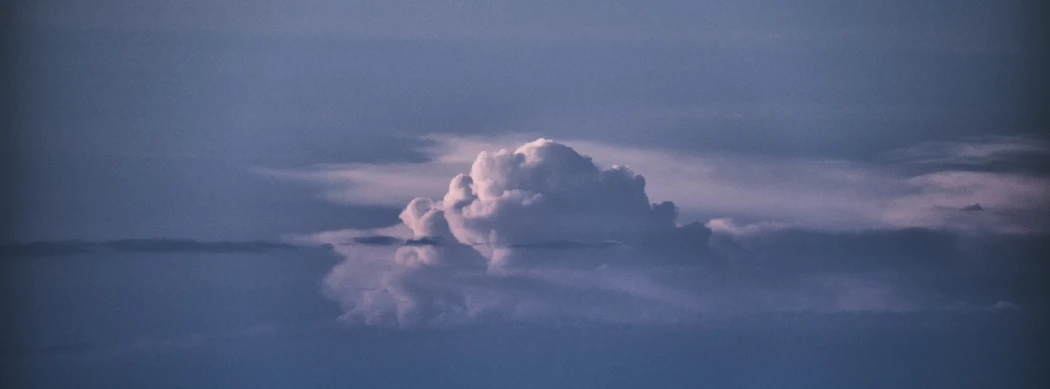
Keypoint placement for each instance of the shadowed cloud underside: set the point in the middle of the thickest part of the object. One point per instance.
(541, 234)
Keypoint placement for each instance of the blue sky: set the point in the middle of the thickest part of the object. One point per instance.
(232, 193)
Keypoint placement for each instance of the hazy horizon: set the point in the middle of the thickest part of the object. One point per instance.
(364, 194)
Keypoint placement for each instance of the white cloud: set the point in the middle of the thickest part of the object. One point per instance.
(542, 234)
(820, 194)
(500, 251)
(973, 152)
(1010, 202)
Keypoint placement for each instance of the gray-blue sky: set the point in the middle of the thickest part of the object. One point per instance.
(784, 122)
(236, 84)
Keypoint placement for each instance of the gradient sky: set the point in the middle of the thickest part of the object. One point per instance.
(831, 153)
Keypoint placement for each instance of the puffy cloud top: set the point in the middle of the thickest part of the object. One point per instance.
(541, 234)
(528, 234)
(542, 192)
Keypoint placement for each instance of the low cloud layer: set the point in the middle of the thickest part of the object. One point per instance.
(65, 248)
(542, 234)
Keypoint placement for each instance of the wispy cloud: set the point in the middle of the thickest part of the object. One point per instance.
(541, 233)
(974, 152)
(923, 186)
(66, 248)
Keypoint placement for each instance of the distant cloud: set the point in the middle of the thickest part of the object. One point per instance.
(45, 249)
(542, 234)
(975, 152)
(180, 245)
(522, 225)
(907, 190)
(565, 245)
(1004, 306)
(790, 249)
(543, 193)
(422, 241)
(66, 248)
(376, 240)
(383, 240)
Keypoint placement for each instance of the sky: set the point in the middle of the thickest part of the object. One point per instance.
(525, 193)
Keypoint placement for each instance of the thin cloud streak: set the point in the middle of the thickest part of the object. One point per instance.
(68, 248)
(811, 193)
(542, 234)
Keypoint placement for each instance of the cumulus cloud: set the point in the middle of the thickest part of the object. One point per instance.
(919, 187)
(541, 233)
(535, 233)
(544, 192)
